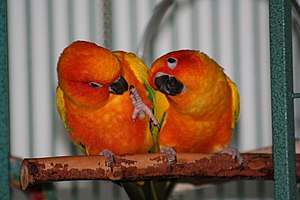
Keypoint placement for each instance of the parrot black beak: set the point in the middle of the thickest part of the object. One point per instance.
(119, 86)
(168, 85)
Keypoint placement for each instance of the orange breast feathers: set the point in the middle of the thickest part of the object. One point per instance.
(94, 103)
(203, 103)
(109, 127)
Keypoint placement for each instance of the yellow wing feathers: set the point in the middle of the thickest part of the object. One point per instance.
(235, 102)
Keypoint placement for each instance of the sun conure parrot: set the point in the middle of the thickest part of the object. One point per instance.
(94, 102)
(201, 106)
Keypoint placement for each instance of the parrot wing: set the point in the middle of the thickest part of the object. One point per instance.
(60, 104)
(132, 64)
(136, 73)
(235, 102)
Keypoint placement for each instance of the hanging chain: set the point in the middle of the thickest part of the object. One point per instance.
(107, 23)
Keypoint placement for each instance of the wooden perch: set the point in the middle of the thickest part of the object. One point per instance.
(147, 166)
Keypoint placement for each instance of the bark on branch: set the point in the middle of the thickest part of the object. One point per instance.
(147, 166)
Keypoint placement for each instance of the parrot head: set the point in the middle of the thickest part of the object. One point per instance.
(88, 73)
(185, 76)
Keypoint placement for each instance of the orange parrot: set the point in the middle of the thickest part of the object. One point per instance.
(201, 104)
(94, 102)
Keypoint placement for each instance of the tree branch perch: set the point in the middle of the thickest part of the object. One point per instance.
(147, 166)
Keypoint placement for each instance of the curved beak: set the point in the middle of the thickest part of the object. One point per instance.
(168, 85)
(119, 86)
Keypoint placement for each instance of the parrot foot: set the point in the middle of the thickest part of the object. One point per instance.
(234, 153)
(171, 156)
(140, 108)
(109, 157)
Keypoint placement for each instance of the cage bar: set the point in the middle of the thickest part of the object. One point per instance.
(282, 99)
(296, 95)
(4, 105)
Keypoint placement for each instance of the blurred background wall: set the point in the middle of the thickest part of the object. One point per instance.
(234, 33)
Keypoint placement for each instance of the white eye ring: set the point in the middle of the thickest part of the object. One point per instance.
(172, 62)
(95, 85)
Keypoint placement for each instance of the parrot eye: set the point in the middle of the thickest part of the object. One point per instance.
(95, 85)
(172, 62)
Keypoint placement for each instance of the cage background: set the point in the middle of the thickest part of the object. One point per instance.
(234, 33)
